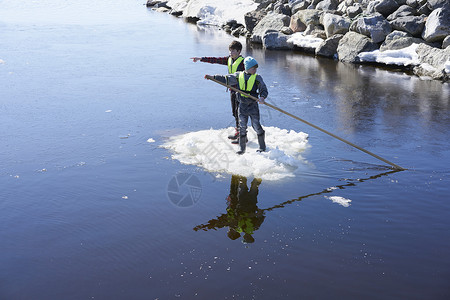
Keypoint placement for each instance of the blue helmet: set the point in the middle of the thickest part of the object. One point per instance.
(250, 62)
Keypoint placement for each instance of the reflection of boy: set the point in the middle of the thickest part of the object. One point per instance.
(244, 217)
(253, 84)
(235, 62)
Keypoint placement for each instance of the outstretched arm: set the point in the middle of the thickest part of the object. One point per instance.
(212, 60)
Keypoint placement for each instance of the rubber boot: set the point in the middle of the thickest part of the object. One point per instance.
(261, 142)
(242, 144)
(235, 135)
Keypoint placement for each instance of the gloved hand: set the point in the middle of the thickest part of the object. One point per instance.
(261, 100)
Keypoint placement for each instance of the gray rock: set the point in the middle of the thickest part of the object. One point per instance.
(446, 42)
(252, 18)
(334, 24)
(434, 57)
(271, 21)
(412, 3)
(316, 31)
(276, 41)
(329, 46)
(402, 11)
(435, 4)
(299, 5)
(308, 16)
(411, 24)
(354, 10)
(437, 26)
(327, 5)
(283, 9)
(399, 40)
(424, 10)
(384, 7)
(352, 44)
(376, 27)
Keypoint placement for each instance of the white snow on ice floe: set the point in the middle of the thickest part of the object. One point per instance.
(150, 140)
(212, 150)
(339, 200)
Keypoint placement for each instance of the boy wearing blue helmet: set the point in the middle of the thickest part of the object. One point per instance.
(251, 83)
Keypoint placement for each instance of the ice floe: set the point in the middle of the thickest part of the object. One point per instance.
(211, 150)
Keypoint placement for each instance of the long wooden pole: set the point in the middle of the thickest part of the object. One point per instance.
(396, 167)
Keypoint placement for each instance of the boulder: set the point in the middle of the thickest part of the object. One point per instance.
(276, 40)
(384, 7)
(252, 18)
(432, 62)
(327, 5)
(411, 24)
(271, 22)
(399, 40)
(352, 44)
(402, 11)
(412, 3)
(283, 9)
(437, 26)
(297, 25)
(446, 42)
(376, 27)
(334, 24)
(308, 16)
(435, 4)
(328, 47)
(299, 5)
(354, 10)
(315, 31)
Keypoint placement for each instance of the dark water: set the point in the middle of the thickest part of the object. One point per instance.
(86, 202)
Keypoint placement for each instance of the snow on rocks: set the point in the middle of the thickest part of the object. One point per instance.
(212, 151)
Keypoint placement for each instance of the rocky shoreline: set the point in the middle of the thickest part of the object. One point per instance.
(352, 31)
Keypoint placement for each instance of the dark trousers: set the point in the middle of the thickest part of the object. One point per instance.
(235, 108)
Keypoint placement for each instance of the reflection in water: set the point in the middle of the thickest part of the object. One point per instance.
(243, 216)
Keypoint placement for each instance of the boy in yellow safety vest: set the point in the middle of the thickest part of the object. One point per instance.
(253, 84)
(235, 62)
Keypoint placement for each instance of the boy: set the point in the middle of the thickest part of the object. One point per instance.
(253, 84)
(235, 63)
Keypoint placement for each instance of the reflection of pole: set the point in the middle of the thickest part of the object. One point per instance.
(328, 190)
(396, 167)
(221, 221)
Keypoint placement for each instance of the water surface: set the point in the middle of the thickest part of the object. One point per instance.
(87, 204)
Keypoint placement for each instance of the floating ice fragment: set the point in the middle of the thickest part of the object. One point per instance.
(317, 106)
(2, 61)
(150, 140)
(340, 200)
(125, 197)
(108, 111)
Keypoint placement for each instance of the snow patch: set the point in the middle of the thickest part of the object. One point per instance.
(212, 150)
(304, 41)
(213, 12)
(150, 140)
(401, 57)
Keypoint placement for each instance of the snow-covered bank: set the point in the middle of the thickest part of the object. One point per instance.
(354, 31)
(212, 151)
(213, 12)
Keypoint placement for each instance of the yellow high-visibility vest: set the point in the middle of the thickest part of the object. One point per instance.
(246, 86)
(232, 67)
